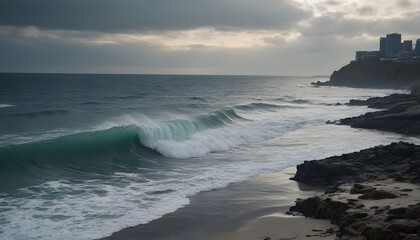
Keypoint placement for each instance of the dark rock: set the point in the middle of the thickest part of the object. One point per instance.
(354, 220)
(406, 190)
(320, 208)
(401, 114)
(398, 211)
(412, 237)
(377, 232)
(349, 218)
(377, 194)
(315, 173)
(405, 226)
(374, 163)
(410, 212)
(333, 189)
(360, 189)
(375, 75)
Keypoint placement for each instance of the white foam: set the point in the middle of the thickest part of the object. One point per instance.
(8, 139)
(265, 127)
(6, 105)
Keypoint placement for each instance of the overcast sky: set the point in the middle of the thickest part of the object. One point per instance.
(264, 37)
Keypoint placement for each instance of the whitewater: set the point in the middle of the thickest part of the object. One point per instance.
(83, 156)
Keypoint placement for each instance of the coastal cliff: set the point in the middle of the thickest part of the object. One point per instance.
(375, 75)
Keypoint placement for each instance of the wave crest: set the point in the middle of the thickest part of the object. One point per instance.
(6, 105)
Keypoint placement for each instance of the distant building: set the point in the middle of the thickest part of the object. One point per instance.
(417, 47)
(393, 44)
(382, 46)
(407, 46)
(391, 49)
(406, 55)
(364, 56)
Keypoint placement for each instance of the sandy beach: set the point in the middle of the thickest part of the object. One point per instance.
(253, 209)
(281, 227)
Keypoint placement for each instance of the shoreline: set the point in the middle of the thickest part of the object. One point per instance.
(252, 209)
(256, 208)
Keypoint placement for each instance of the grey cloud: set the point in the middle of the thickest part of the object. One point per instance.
(333, 2)
(297, 58)
(150, 15)
(404, 3)
(334, 24)
(337, 25)
(366, 10)
(40, 55)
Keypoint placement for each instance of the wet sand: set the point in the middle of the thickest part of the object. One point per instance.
(253, 209)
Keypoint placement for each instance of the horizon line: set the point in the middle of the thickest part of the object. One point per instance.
(167, 74)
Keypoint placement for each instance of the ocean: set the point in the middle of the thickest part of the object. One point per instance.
(85, 155)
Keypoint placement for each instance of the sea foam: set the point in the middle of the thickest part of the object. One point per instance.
(6, 105)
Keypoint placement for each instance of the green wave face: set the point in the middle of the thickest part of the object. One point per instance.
(96, 154)
(79, 156)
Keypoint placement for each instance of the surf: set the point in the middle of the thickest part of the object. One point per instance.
(124, 147)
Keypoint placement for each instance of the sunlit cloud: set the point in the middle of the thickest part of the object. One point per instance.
(171, 40)
(361, 9)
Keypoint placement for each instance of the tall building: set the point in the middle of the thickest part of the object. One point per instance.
(418, 47)
(382, 46)
(393, 44)
(407, 46)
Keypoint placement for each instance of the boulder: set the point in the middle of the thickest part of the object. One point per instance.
(377, 194)
(360, 189)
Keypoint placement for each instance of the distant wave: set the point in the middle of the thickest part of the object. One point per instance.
(202, 99)
(90, 103)
(302, 101)
(130, 96)
(6, 105)
(39, 113)
(305, 101)
(260, 106)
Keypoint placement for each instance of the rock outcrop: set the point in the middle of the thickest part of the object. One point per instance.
(371, 194)
(375, 75)
(399, 161)
(401, 114)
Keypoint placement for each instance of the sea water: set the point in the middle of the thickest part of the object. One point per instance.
(83, 156)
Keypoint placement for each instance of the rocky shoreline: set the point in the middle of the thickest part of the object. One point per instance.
(401, 114)
(371, 194)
